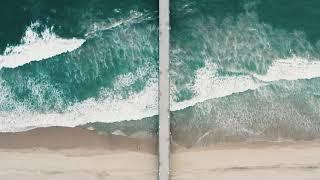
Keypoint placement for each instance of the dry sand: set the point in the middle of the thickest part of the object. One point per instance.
(260, 161)
(59, 153)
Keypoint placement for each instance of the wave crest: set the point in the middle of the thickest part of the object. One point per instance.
(36, 46)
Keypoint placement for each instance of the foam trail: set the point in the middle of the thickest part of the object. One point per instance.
(96, 27)
(209, 86)
(291, 69)
(113, 109)
(35, 47)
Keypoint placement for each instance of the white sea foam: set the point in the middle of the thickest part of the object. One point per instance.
(209, 86)
(109, 107)
(36, 47)
(113, 109)
(291, 69)
(96, 27)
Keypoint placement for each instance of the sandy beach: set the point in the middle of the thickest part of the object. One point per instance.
(263, 161)
(59, 153)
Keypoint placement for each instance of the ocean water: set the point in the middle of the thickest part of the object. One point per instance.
(244, 70)
(69, 63)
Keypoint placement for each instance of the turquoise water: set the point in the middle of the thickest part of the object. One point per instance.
(113, 70)
(240, 70)
(244, 70)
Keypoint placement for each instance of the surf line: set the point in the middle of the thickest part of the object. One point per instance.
(37, 47)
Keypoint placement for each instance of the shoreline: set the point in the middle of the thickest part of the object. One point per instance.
(75, 153)
(57, 138)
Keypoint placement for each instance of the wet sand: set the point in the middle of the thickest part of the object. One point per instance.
(74, 153)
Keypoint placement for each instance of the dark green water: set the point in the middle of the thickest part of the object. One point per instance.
(243, 70)
(70, 18)
(117, 63)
